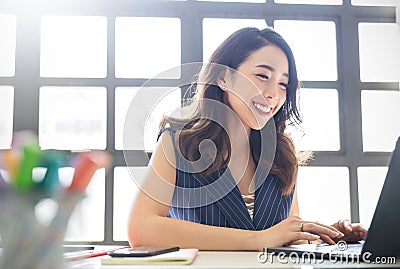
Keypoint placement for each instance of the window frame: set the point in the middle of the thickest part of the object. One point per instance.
(27, 82)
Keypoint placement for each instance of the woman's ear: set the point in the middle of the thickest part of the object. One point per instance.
(222, 81)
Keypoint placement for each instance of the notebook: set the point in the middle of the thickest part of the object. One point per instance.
(382, 239)
(180, 257)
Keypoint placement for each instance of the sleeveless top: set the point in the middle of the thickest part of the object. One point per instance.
(216, 200)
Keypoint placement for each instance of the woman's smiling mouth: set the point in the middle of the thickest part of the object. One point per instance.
(263, 109)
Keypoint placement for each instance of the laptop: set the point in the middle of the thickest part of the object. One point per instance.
(383, 237)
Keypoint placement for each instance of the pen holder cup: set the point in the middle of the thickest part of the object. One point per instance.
(32, 229)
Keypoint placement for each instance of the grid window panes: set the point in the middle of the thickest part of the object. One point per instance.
(87, 220)
(380, 119)
(379, 52)
(147, 47)
(314, 47)
(216, 30)
(91, 61)
(138, 112)
(7, 45)
(73, 46)
(311, 2)
(315, 126)
(6, 116)
(73, 118)
(375, 2)
(313, 185)
(370, 183)
(125, 191)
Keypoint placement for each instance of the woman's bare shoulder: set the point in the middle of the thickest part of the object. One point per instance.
(163, 157)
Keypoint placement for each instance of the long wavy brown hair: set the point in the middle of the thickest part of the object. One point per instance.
(197, 127)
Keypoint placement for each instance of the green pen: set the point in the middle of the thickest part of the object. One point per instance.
(31, 159)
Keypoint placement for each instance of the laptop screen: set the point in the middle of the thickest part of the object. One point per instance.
(383, 237)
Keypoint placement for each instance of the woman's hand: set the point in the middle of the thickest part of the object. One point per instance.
(353, 232)
(293, 229)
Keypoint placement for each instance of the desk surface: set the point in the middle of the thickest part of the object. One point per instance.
(234, 259)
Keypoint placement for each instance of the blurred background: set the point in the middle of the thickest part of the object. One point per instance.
(70, 69)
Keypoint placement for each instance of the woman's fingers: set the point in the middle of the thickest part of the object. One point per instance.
(357, 227)
(305, 236)
(320, 229)
(327, 239)
(331, 227)
(353, 232)
(345, 225)
(342, 230)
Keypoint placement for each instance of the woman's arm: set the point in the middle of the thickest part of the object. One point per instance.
(149, 224)
(294, 210)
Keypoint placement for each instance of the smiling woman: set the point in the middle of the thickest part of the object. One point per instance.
(223, 177)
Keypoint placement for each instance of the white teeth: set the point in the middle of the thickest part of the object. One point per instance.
(262, 108)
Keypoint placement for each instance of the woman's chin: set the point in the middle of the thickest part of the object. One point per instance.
(259, 124)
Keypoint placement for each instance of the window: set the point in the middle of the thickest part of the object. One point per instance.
(215, 31)
(314, 47)
(239, 1)
(318, 131)
(380, 119)
(370, 183)
(86, 223)
(147, 47)
(72, 118)
(138, 115)
(375, 2)
(312, 190)
(7, 45)
(379, 61)
(311, 2)
(73, 46)
(6, 116)
(126, 187)
(88, 72)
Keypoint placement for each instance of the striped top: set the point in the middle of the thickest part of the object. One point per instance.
(216, 200)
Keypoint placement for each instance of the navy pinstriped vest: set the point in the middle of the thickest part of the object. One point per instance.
(216, 200)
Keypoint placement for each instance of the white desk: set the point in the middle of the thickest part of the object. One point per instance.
(231, 260)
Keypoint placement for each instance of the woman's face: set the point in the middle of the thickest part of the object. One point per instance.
(258, 89)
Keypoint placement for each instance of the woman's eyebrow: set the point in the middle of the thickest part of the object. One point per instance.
(270, 68)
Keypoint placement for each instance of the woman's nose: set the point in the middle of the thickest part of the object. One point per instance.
(271, 92)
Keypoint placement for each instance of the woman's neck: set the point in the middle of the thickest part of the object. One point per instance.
(241, 164)
(238, 135)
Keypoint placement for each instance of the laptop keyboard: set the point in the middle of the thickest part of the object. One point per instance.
(351, 248)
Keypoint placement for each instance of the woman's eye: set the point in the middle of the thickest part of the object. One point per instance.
(262, 76)
(284, 86)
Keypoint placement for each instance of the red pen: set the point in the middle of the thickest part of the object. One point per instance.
(86, 165)
(85, 254)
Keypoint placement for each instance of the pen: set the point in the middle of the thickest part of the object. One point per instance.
(72, 256)
(86, 165)
(10, 162)
(30, 159)
(52, 160)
